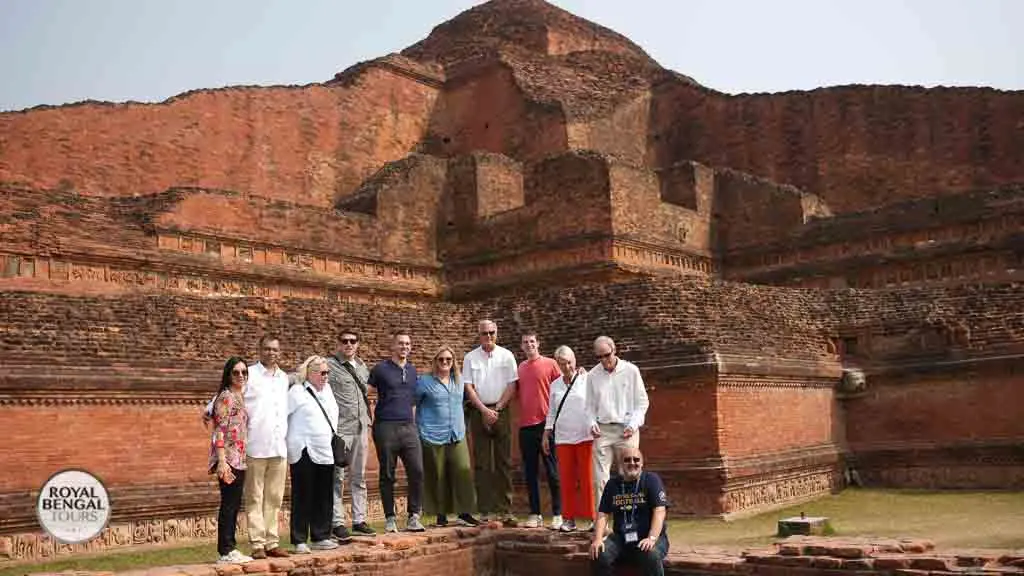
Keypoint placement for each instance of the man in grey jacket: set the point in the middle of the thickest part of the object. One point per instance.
(348, 377)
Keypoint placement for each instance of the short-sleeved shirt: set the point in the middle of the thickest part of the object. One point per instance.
(396, 387)
(440, 417)
(534, 393)
(490, 373)
(634, 501)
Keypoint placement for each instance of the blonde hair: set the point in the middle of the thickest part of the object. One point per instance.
(455, 362)
(302, 372)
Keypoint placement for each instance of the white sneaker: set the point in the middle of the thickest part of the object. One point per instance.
(568, 526)
(324, 545)
(533, 521)
(234, 557)
(390, 524)
(556, 522)
(302, 549)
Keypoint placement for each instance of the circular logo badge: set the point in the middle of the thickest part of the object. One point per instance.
(73, 506)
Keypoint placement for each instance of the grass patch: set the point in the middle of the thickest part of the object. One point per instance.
(950, 519)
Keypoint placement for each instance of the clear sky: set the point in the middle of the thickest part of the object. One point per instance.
(59, 51)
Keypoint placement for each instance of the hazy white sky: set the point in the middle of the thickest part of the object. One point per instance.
(59, 51)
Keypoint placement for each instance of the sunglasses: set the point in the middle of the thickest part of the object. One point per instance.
(488, 333)
(349, 340)
(605, 355)
(240, 373)
(324, 372)
(631, 460)
(445, 359)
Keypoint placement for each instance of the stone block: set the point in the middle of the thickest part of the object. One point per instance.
(802, 525)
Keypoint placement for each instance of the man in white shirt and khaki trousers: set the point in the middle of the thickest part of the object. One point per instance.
(266, 399)
(491, 373)
(617, 403)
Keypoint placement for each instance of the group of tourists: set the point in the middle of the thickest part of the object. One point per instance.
(582, 426)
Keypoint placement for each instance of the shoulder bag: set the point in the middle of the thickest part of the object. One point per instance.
(342, 453)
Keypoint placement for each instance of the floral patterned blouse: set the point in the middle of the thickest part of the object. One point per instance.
(230, 424)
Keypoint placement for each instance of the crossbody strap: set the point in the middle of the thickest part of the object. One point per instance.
(317, 400)
(359, 383)
(568, 389)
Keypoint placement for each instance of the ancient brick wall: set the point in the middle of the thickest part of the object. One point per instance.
(307, 144)
(487, 111)
(857, 147)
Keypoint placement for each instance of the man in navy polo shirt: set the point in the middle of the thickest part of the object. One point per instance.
(394, 431)
(637, 502)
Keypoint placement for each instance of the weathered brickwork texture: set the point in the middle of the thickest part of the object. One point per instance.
(817, 286)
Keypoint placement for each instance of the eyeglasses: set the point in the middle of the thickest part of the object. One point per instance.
(605, 355)
(240, 373)
(488, 333)
(349, 340)
(631, 460)
(445, 359)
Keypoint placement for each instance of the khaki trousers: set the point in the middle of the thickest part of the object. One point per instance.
(264, 493)
(606, 451)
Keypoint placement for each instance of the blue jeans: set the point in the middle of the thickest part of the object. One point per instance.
(651, 563)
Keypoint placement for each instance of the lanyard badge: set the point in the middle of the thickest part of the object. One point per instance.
(629, 526)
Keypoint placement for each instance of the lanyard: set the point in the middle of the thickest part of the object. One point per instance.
(630, 515)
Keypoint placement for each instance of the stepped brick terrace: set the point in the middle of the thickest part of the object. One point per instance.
(817, 286)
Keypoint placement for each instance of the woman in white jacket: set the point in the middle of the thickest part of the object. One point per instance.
(567, 432)
(312, 420)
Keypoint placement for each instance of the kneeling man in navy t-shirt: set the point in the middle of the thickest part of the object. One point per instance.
(637, 503)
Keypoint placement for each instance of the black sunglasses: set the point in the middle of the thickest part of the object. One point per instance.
(488, 333)
(631, 460)
(239, 372)
(349, 340)
(605, 355)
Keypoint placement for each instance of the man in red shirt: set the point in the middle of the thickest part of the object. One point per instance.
(533, 393)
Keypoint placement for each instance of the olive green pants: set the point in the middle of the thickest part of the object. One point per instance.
(447, 479)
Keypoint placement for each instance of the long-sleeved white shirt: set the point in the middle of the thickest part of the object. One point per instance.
(266, 400)
(307, 427)
(573, 424)
(617, 397)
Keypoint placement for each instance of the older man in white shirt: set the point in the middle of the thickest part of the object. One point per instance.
(491, 373)
(617, 403)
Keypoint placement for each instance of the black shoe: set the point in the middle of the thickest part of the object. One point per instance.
(442, 520)
(468, 520)
(341, 534)
(364, 529)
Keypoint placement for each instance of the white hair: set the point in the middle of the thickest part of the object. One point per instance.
(565, 352)
(605, 340)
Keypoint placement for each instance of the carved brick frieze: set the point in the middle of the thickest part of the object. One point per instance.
(35, 546)
(596, 252)
(652, 258)
(99, 398)
(971, 234)
(227, 250)
(762, 493)
(745, 381)
(218, 282)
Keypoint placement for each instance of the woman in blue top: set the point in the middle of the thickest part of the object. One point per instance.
(448, 476)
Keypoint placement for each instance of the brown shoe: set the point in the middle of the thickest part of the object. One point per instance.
(278, 552)
(258, 554)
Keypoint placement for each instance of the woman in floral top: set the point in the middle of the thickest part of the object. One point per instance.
(227, 454)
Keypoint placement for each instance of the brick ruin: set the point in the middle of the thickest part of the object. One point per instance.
(812, 283)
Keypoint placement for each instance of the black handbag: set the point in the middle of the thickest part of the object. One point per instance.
(342, 453)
